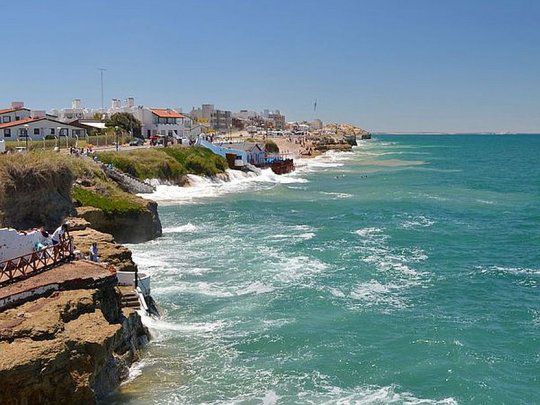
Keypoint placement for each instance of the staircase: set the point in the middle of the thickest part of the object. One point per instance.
(130, 300)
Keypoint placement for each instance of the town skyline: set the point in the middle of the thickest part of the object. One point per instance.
(422, 68)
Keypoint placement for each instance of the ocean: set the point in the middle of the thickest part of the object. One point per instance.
(404, 272)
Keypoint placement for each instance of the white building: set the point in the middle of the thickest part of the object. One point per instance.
(156, 121)
(245, 115)
(38, 126)
(15, 113)
(76, 112)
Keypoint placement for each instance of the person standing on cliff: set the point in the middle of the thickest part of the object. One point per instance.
(94, 252)
(59, 234)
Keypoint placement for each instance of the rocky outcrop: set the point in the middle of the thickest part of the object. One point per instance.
(109, 251)
(131, 227)
(127, 182)
(73, 346)
(34, 193)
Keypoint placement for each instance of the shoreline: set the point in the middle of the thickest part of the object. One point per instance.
(135, 325)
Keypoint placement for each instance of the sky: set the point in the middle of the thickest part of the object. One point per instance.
(386, 65)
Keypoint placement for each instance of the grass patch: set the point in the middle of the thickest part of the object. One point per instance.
(170, 163)
(118, 203)
(198, 160)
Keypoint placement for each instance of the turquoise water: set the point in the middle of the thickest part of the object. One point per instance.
(406, 271)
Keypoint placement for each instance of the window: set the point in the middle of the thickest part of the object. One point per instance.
(36, 131)
(7, 133)
(23, 132)
(52, 131)
(17, 118)
(7, 118)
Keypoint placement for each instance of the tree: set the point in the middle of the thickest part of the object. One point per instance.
(125, 121)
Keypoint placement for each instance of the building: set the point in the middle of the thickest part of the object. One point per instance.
(38, 126)
(316, 125)
(156, 121)
(241, 152)
(245, 115)
(76, 112)
(219, 120)
(15, 113)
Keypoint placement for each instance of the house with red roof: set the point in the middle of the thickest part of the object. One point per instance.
(35, 126)
(163, 122)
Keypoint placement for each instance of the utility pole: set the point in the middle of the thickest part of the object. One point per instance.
(101, 70)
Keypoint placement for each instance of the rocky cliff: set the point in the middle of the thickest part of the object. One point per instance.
(34, 192)
(109, 251)
(73, 346)
(38, 190)
(128, 227)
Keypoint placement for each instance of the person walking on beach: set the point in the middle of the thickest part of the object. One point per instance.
(59, 234)
(94, 252)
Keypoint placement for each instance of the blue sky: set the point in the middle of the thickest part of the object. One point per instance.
(416, 65)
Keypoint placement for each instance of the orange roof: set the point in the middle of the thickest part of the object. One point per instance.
(19, 122)
(28, 120)
(10, 110)
(166, 113)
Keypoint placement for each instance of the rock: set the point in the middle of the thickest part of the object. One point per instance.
(63, 347)
(127, 228)
(109, 251)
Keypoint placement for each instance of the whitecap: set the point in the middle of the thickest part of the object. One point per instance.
(204, 187)
(364, 232)
(187, 228)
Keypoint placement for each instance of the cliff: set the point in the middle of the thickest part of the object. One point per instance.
(34, 191)
(109, 251)
(73, 346)
(41, 189)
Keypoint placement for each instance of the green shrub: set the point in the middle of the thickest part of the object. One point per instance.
(271, 146)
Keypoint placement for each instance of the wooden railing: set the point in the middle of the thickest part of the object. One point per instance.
(24, 266)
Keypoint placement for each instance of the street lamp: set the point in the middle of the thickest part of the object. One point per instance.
(26, 126)
(58, 137)
(116, 132)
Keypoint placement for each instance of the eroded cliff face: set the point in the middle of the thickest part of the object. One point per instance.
(126, 228)
(34, 194)
(71, 347)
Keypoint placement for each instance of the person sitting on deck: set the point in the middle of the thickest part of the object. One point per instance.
(58, 234)
(94, 252)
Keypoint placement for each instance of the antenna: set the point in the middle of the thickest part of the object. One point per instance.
(101, 70)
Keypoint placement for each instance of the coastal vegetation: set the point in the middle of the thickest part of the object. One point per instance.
(112, 202)
(41, 188)
(271, 147)
(170, 164)
(126, 122)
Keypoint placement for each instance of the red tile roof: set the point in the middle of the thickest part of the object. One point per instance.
(166, 113)
(19, 122)
(28, 120)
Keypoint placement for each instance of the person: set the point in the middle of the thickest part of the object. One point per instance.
(94, 252)
(59, 233)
